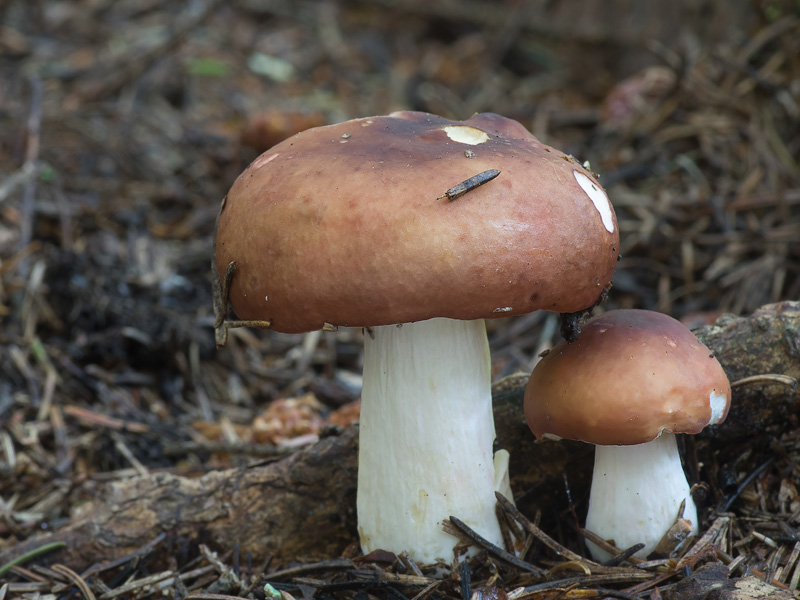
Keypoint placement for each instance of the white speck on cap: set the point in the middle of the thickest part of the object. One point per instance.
(464, 134)
(598, 198)
(718, 404)
(264, 159)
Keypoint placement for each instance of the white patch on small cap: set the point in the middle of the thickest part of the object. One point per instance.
(598, 198)
(464, 134)
(719, 403)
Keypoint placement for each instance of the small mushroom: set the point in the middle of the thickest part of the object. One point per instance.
(631, 381)
(361, 234)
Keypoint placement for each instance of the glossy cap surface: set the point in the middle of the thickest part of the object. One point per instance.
(349, 224)
(630, 375)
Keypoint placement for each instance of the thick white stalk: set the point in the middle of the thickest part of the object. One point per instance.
(636, 493)
(426, 435)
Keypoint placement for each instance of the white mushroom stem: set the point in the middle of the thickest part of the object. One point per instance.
(636, 494)
(425, 440)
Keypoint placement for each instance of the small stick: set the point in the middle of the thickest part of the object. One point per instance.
(137, 584)
(102, 420)
(221, 291)
(539, 534)
(505, 528)
(623, 556)
(690, 558)
(673, 537)
(123, 449)
(325, 565)
(220, 297)
(427, 589)
(746, 482)
(470, 184)
(76, 580)
(466, 579)
(766, 378)
(409, 563)
(585, 582)
(464, 530)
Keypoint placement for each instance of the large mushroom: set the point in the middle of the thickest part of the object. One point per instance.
(632, 380)
(364, 224)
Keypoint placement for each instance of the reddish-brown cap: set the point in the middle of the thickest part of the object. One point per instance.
(630, 375)
(349, 224)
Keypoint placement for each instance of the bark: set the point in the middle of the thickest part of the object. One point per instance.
(768, 341)
(303, 506)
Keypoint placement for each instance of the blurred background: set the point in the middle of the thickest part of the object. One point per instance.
(124, 122)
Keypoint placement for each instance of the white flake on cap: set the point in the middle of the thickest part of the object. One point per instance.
(719, 403)
(464, 134)
(264, 159)
(598, 198)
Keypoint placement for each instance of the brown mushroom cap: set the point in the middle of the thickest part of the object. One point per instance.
(348, 224)
(630, 375)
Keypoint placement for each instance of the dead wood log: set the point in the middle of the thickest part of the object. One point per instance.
(303, 506)
(300, 507)
(768, 341)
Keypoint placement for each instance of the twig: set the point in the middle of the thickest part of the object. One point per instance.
(409, 563)
(465, 577)
(608, 547)
(623, 556)
(747, 481)
(123, 449)
(584, 581)
(387, 583)
(221, 289)
(463, 529)
(424, 592)
(223, 569)
(325, 565)
(104, 420)
(646, 585)
(76, 579)
(542, 536)
(766, 378)
(137, 584)
(700, 545)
